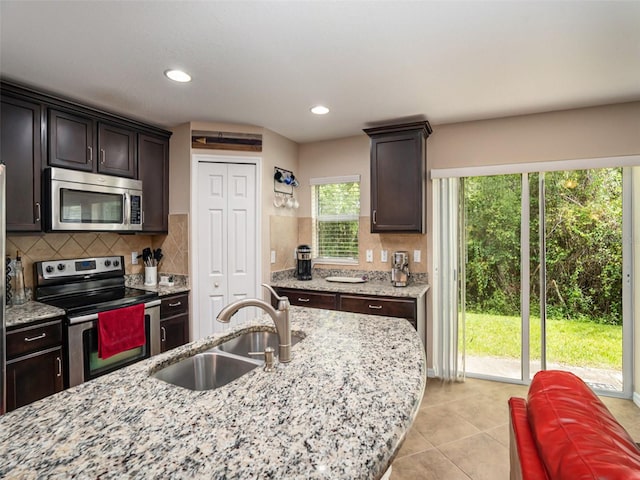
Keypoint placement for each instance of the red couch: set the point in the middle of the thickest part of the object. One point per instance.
(564, 432)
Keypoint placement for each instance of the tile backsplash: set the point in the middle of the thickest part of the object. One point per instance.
(52, 246)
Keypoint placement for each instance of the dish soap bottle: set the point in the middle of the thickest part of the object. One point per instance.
(19, 296)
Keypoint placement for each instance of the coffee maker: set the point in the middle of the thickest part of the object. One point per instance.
(303, 262)
(400, 269)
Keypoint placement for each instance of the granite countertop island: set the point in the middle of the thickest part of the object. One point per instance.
(339, 410)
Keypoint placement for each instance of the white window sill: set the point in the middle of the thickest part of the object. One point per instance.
(334, 261)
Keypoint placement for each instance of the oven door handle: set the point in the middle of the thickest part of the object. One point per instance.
(94, 316)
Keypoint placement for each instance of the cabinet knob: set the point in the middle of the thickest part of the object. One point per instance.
(216, 285)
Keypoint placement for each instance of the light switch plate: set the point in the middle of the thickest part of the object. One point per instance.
(416, 256)
(369, 255)
(134, 258)
(384, 256)
(273, 256)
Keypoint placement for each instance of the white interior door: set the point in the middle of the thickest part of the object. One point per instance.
(226, 247)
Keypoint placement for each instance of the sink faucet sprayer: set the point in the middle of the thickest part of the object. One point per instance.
(280, 318)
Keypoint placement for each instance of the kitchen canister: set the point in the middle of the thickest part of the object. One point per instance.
(150, 276)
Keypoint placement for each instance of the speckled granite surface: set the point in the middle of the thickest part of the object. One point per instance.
(180, 284)
(373, 286)
(21, 315)
(339, 410)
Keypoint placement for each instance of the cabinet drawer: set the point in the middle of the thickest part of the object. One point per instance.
(304, 298)
(174, 305)
(379, 306)
(31, 339)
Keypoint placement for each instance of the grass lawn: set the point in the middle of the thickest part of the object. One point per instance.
(576, 343)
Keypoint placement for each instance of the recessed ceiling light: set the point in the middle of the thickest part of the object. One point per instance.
(319, 110)
(178, 76)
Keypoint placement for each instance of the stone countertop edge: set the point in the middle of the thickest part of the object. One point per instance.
(370, 287)
(30, 312)
(340, 409)
(164, 290)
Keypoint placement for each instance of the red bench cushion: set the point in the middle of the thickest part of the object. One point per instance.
(576, 435)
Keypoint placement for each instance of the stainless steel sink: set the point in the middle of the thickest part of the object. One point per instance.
(206, 371)
(253, 342)
(223, 363)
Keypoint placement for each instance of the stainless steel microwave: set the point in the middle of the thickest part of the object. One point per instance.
(80, 201)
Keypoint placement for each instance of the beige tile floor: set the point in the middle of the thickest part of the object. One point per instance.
(462, 431)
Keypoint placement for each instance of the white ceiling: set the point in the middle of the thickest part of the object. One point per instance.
(266, 63)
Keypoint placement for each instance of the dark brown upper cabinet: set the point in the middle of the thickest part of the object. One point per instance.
(72, 144)
(153, 170)
(116, 151)
(398, 177)
(71, 141)
(21, 150)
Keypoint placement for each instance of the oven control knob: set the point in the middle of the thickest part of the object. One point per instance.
(116, 263)
(61, 266)
(107, 263)
(49, 269)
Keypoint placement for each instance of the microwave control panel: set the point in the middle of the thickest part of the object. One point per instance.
(136, 210)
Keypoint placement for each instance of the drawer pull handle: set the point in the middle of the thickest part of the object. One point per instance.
(59, 362)
(304, 299)
(103, 156)
(32, 339)
(376, 307)
(164, 334)
(177, 304)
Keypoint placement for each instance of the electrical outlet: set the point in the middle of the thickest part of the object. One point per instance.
(134, 258)
(416, 256)
(273, 256)
(384, 255)
(369, 255)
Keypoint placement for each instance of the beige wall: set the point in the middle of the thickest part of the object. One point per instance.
(276, 151)
(609, 130)
(350, 156)
(571, 134)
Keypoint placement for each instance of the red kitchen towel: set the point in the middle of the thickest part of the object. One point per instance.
(120, 330)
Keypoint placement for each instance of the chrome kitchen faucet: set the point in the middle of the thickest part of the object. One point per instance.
(280, 317)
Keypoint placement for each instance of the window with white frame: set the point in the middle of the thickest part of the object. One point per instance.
(336, 218)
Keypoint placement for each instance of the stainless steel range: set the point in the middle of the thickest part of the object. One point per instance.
(84, 287)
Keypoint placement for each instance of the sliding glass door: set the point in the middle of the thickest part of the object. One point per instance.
(493, 327)
(544, 273)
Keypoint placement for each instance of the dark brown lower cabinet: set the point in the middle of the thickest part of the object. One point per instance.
(35, 359)
(174, 321)
(305, 298)
(34, 377)
(371, 305)
(174, 332)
